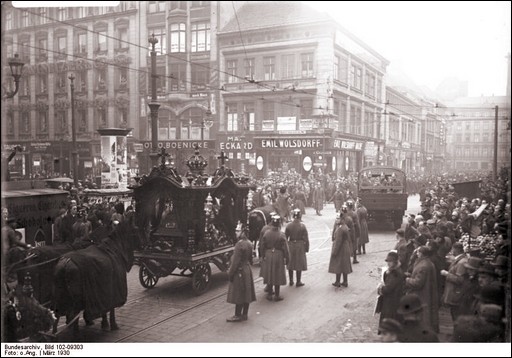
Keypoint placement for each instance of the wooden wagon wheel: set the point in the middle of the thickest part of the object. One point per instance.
(146, 277)
(201, 279)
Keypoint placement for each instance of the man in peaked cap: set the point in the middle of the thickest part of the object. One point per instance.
(414, 329)
(298, 243)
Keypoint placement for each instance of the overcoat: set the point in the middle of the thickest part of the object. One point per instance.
(241, 284)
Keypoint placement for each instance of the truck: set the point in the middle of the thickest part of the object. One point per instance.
(382, 190)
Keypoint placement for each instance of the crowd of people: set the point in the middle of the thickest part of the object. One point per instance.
(434, 265)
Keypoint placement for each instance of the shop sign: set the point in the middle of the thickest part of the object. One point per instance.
(347, 144)
(138, 147)
(291, 143)
(305, 124)
(182, 144)
(39, 146)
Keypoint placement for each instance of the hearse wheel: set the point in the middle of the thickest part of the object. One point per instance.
(146, 277)
(201, 279)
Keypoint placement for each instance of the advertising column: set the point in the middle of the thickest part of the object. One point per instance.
(114, 157)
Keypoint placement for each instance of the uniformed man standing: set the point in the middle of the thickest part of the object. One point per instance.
(274, 249)
(356, 233)
(298, 242)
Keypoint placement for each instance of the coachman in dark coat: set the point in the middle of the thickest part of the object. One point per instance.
(241, 284)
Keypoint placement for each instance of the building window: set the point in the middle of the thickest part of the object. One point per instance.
(42, 83)
(288, 66)
(459, 137)
(232, 71)
(161, 45)
(476, 137)
(60, 82)
(476, 125)
(379, 90)
(485, 137)
(101, 41)
(182, 5)
(61, 13)
(61, 124)
(467, 138)
(468, 126)
(336, 68)
(232, 117)
(178, 37)
(102, 116)
(82, 120)
(156, 6)
(24, 49)
(342, 126)
(122, 35)
(8, 20)
(269, 64)
(368, 124)
(355, 120)
(101, 79)
(356, 77)
(200, 3)
(476, 152)
(306, 60)
(43, 121)
(82, 12)
(178, 77)
(81, 46)
(24, 19)
(122, 78)
(42, 15)
(200, 37)
(42, 53)
(249, 117)
(24, 89)
(486, 125)
(10, 122)
(160, 80)
(249, 68)
(370, 85)
(268, 111)
(200, 76)
(81, 81)
(25, 122)
(61, 45)
(343, 69)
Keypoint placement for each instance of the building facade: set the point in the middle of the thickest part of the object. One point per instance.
(298, 92)
(470, 133)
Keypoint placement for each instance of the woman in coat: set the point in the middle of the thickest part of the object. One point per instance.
(362, 215)
(275, 256)
(340, 255)
(241, 284)
(391, 291)
(423, 282)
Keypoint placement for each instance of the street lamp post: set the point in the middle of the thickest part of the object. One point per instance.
(154, 105)
(74, 152)
(16, 66)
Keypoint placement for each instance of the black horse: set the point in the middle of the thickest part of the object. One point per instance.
(258, 218)
(93, 280)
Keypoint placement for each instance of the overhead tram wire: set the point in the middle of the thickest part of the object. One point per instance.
(258, 83)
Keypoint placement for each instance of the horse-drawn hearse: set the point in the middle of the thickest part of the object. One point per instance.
(188, 222)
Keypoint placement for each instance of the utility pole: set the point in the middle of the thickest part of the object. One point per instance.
(154, 105)
(74, 152)
(495, 159)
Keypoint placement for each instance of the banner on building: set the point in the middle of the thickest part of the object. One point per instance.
(267, 125)
(305, 124)
(286, 123)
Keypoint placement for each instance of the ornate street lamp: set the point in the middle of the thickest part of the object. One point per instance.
(16, 66)
(154, 105)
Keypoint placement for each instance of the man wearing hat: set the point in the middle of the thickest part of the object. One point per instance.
(414, 328)
(487, 275)
(404, 248)
(392, 289)
(339, 262)
(298, 243)
(456, 278)
(502, 267)
(275, 255)
(423, 282)
(389, 330)
(417, 243)
(492, 315)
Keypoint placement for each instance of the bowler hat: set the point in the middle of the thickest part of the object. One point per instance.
(392, 257)
(409, 304)
(390, 325)
(473, 263)
(501, 262)
(492, 294)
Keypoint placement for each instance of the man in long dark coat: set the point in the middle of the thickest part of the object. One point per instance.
(339, 262)
(357, 229)
(423, 282)
(241, 284)
(298, 243)
(318, 199)
(364, 236)
(391, 290)
(275, 254)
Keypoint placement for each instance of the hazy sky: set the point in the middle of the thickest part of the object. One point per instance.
(430, 41)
